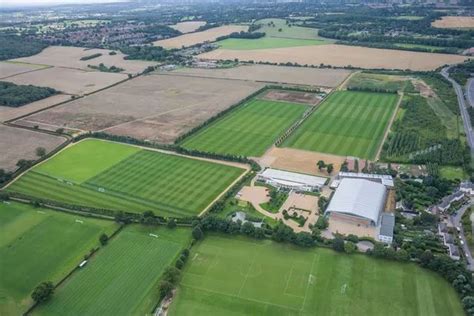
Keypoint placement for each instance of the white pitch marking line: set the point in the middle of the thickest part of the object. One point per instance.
(79, 221)
(153, 235)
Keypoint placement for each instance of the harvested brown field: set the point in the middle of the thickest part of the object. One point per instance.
(8, 113)
(454, 22)
(154, 107)
(209, 35)
(299, 160)
(273, 74)
(8, 69)
(188, 26)
(292, 96)
(70, 57)
(340, 56)
(68, 80)
(18, 143)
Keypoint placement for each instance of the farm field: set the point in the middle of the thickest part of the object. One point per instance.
(267, 42)
(8, 69)
(274, 74)
(191, 39)
(249, 130)
(114, 176)
(265, 278)
(376, 82)
(340, 56)
(70, 57)
(188, 26)
(279, 28)
(38, 244)
(10, 113)
(22, 144)
(164, 107)
(347, 123)
(67, 80)
(122, 278)
(454, 22)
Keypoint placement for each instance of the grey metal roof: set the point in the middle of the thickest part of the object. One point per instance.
(359, 197)
(293, 178)
(387, 224)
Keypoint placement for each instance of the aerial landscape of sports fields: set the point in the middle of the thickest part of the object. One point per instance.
(236, 158)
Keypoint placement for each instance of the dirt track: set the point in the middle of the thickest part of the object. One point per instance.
(340, 56)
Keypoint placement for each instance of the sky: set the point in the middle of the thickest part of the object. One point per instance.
(42, 2)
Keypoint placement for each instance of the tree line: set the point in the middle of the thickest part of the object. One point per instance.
(13, 95)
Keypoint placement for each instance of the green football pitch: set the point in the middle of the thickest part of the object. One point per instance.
(248, 130)
(347, 123)
(245, 277)
(109, 175)
(39, 245)
(122, 278)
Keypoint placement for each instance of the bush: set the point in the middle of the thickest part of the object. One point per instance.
(103, 239)
(171, 223)
(197, 233)
(43, 292)
(338, 244)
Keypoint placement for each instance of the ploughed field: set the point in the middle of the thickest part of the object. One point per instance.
(114, 176)
(249, 277)
(122, 278)
(347, 123)
(38, 244)
(248, 130)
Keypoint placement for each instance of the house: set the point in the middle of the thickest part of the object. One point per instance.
(386, 228)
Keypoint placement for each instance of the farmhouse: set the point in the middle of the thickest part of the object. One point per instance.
(358, 199)
(291, 180)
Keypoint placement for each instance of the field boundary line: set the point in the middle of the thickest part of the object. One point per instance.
(389, 125)
(43, 67)
(343, 84)
(307, 285)
(238, 297)
(248, 272)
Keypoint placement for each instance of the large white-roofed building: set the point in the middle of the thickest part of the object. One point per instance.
(291, 180)
(358, 199)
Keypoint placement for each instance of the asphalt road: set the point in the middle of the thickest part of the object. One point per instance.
(462, 107)
(470, 92)
(456, 220)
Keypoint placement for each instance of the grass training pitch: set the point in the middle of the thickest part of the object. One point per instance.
(251, 277)
(248, 130)
(114, 176)
(122, 278)
(347, 123)
(36, 245)
(267, 42)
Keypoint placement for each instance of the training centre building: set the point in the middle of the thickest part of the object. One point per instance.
(357, 207)
(291, 180)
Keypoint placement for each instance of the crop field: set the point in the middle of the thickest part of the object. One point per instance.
(275, 74)
(115, 176)
(188, 26)
(191, 39)
(8, 69)
(156, 107)
(248, 130)
(267, 42)
(266, 278)
(122, 278)
(340, 56)
(279, 28)
(38, 244)
(454, 22)
(379, 82)
(67, 80)
(17, 143)
(70, 57)
(10, 113)
(347, 123)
